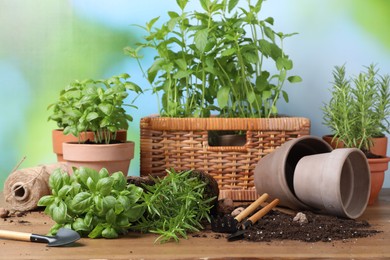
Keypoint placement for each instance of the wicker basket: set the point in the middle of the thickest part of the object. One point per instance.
(182, 144)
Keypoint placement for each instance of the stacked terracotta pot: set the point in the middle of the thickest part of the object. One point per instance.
(306, 173)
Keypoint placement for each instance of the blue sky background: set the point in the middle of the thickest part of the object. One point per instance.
(45, 44)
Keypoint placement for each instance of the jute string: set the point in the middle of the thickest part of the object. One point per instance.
(23, 188)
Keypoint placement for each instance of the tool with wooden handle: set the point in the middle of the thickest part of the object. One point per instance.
(227, 224)
(63, 237)
(252, 220)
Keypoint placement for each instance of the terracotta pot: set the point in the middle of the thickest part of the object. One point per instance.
(113, 157)
(379, 146)
(274, 173)
(378, 166)
(58, 138)
(336, 183)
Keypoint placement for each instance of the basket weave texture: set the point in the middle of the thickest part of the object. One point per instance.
(182, 144)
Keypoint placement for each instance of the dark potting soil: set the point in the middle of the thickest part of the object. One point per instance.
(280, 226)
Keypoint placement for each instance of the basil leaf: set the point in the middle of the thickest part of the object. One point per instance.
(109, 232)
(59, 213)
(104, 186)
(45, 200)
(97, 231)
(79, 225)
(81, 202)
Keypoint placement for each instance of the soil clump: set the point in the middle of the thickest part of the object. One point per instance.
(280, 226)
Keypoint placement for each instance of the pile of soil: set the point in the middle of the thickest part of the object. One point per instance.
(279, 226)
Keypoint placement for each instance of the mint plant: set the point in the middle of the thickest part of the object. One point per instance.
(359, 108)
(92, 203)
(216, 54)
(95, 105)
(175, 205)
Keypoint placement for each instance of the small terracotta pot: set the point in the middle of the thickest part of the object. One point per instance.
(379, 144)
(274, 173)
(58, 138)
(335, 183)
(113, 157)
(378, 166)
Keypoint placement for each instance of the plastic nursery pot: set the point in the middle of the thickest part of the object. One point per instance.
(274, 173)
(335, 183)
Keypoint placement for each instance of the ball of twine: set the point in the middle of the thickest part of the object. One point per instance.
(23, 188)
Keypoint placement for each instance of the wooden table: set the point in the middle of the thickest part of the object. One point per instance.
(206, 246)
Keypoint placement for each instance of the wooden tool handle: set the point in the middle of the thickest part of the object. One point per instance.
(21, 236)
(251, 207)
(253, 219)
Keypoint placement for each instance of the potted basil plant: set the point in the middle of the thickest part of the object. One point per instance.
(97, 106)
(358, 116)
(221, 68)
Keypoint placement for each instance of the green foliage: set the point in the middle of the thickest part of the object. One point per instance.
(359, 108)
(94, 105)
(174, 206)
(92, 203)
(216, 54)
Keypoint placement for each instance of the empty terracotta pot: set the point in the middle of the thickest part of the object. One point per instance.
(336, 183)
(274, 173)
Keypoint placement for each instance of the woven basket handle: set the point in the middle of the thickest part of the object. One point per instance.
(231, 143)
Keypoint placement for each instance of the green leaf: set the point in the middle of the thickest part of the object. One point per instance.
(106, 108)
(201, 39)
(294, 79)
(97, 231)
(135, 213)
(109, 232)
(269, 33)
(81, 202)
(181, 63)
(111, 216)
(45, 200)
(59, 213)
(91, 184)
(150, 24)
(223, 96)
(119, 181)
(109, 203)
(64, 191)
(269, 20)
(228, 52)
(182, 74)
(173, 14)
(285, 96)
(284, 63)
(104, 185)
(265, 47)
(103, 173)
(232, 4)
(79, 225)
(55, 180)
(182, 3)
(251, 96)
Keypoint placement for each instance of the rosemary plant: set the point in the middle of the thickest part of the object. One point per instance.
(175, 205)
(359, 107)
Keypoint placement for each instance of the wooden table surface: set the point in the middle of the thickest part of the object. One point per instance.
(206, 246)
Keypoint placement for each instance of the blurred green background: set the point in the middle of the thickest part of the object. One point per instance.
(45, 44)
